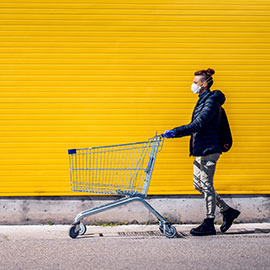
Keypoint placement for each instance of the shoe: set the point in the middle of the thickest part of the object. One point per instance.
(206, 228)
(228, 217)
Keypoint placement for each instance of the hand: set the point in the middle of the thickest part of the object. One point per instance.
(168, 134)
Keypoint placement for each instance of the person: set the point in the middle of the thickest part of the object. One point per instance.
(205, 147)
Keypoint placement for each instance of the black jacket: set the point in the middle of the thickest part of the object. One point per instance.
(204, 126)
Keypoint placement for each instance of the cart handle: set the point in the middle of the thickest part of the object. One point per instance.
(160, 139)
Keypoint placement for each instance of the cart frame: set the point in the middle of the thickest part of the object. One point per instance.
(89, 174)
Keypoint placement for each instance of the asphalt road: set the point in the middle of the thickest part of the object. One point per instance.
(30, 247)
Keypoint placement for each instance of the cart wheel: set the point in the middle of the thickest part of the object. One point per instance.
(82, 230)
(72, 232)
(170, 231)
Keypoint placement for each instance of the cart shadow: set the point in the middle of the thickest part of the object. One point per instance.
(144, 234)
(91, 235)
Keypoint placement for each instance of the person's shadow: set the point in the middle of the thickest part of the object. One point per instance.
(248, 231)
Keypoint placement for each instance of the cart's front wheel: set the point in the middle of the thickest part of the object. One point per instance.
(74, 231)
(82, 230)
(170, 231)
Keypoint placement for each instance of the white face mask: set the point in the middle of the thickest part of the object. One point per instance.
(195, 88)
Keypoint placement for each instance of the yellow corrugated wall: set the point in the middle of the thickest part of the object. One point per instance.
(83, 73)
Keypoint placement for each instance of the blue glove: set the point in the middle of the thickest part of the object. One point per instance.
(168, 134)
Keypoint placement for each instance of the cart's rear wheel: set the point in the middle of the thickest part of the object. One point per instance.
(73, 231)
(170, 231)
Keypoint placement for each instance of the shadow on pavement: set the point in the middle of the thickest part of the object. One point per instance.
(249, 231)
(159, 234)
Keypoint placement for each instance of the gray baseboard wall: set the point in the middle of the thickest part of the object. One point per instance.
(176, 208)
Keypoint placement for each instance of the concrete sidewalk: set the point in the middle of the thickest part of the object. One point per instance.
(10, 232)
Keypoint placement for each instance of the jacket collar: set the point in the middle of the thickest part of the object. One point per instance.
(202, 99)
(204, 93)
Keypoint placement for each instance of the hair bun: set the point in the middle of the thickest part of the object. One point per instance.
(210, 72)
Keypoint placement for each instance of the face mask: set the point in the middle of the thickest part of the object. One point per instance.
(195, 88)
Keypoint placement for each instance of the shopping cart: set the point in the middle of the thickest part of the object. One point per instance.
(123, 169)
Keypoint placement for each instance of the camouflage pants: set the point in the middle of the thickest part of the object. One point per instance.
(203, 175)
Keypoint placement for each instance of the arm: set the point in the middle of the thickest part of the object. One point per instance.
(205, 116)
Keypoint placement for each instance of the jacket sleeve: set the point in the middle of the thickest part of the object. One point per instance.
(209, 110)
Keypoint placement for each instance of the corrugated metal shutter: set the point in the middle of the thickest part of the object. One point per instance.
(88, 73)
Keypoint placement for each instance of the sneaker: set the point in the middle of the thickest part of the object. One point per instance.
(228, 217)
(206, 228)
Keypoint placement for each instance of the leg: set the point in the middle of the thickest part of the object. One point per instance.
(198, 185)
(197, 174)
(202, 183)
(208, 166)
(221, 204)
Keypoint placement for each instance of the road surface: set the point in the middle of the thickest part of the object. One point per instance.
(131, 247)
